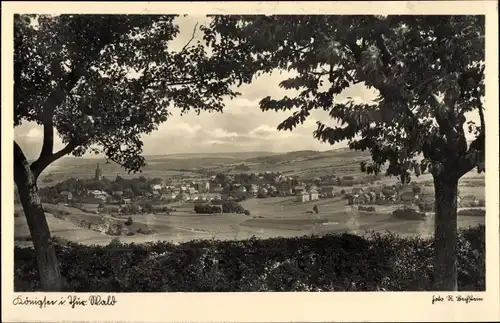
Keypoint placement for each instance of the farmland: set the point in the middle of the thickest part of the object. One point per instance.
(269, 217)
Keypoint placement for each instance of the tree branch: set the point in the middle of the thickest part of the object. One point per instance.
(41, 163)
(481, 119)
(192, 37)
(55, 99)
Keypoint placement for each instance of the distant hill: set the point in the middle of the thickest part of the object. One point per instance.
(309, 155)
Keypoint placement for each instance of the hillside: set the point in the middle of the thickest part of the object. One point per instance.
(300, 162)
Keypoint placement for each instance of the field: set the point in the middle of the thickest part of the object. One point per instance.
(270, 217)
(306, 164)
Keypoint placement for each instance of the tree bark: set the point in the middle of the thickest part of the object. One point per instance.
(51, 279)
(445, 232)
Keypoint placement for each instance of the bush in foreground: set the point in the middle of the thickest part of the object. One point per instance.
(330, 263)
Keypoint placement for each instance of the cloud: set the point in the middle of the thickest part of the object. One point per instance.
(222, 134)
(29, 136)
(262, 131)
(34, 134)
(241, 127)
(183, 128)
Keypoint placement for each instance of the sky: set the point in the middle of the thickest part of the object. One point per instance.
(241, 127)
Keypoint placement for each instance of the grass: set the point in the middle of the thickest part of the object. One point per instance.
(269, 217)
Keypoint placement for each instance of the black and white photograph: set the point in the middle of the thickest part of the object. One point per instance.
(171, 152)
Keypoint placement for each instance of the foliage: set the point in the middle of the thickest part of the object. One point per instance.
(408, 214)
(228, 206)
(426, 207)
(246, 212)
(206, 208)
(330, 263)
(129, 221)
(131, 187)
(130, 209)
(104, 80)
(428, 72)
(366, 208)
(232, 207)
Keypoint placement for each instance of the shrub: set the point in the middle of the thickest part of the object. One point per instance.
(246, 212)
(129, 221)
(115, 242)
(60, 241)
(426, 207)
(145, 231)
(340, 262)
(206, 209)
(366, 208)
(232, 207)
(408, 214)
(472, 212)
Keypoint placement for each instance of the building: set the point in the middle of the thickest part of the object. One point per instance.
(357, 191)
(285, 188)
(253, 189)
(157, 187)
(98, 173)
(313, 195)
(168, 196)
(203, 187)
(407, 197)
(65, 196)
(97, 194)
(303, 196)
(328, 191)
(389, 193)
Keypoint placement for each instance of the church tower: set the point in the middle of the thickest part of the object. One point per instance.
(98, 173)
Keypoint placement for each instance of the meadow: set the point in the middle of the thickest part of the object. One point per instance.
(270, 217)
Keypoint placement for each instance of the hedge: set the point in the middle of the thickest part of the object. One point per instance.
(227, 207)
(409, 214)
(472, 212)
(341, 262)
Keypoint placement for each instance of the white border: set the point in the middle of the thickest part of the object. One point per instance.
(262, 307)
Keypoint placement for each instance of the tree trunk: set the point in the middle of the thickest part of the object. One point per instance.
(48, 266)
(445, 233)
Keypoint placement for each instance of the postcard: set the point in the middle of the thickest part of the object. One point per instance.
(250, 161)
